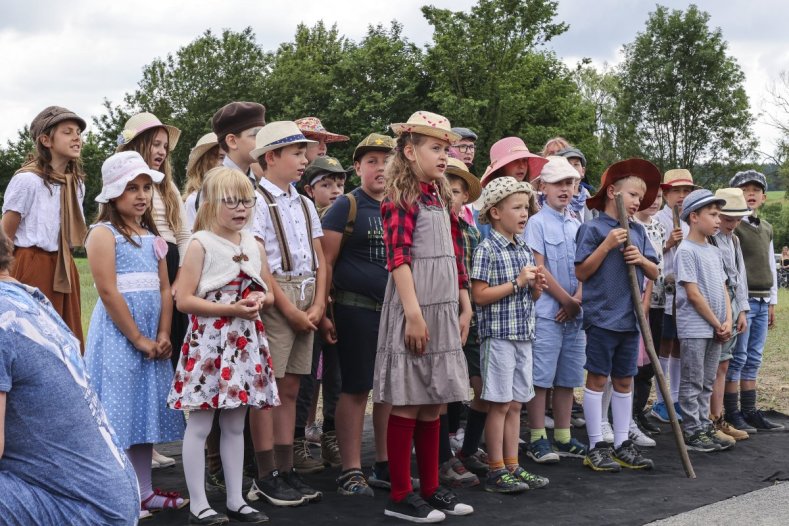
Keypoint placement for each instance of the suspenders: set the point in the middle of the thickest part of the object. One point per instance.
(276, 220)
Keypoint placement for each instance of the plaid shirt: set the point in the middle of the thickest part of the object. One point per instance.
(399, 224)
(496, 261)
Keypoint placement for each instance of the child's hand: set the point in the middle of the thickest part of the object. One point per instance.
(148, 347)
(465, 325)
(540, 281)
(300, 322)
(327, 331)
(268, 301)
(674, 238)
(569, 310)
(165, 347)
(723, 333)
(246, 308)
(526, 277)
(315, 313)
(615, 237)
(742, 323)
(257, 295)
(632, 255)
(416, 335)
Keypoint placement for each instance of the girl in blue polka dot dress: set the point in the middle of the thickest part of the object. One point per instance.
(128, 348)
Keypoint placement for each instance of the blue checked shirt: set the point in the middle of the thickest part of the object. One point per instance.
(496, 261)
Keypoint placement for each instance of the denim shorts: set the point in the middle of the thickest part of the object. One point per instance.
(559, 353)
(611, 353)
(506, 370)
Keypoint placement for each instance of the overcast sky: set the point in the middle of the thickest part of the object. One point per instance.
(77, 52)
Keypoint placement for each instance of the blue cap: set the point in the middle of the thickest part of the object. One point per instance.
(748, 176)
(698, 199)
(465, 133)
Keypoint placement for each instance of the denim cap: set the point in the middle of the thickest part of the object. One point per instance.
(698, 199)
(570, 152)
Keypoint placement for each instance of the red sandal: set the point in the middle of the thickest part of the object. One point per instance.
(172, 501)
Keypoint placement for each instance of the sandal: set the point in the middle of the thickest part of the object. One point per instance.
(254, 517)
(211, 520)
(172, 501)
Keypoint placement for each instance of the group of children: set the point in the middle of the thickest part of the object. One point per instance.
(264, 283)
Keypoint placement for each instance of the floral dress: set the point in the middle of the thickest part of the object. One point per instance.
(225, 362)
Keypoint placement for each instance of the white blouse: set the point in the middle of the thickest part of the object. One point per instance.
(191, 210)
(39, 207)
(180, 238)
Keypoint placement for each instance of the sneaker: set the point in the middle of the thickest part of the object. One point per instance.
(313, 433)
(216, 480)
(599, 458)
(646, 424)
(699, 441)
(275, 490)
(549, 423)
(660, 412)
(502, 481)
(628, 455)
(677, 410)
(530, 479)
(607, 432)
(354, 483)
(294, 480)
(638, 437)
(720, 438)
(724, 427)
(572, 449)
(474, 463)
(445, 501)
(303, 461)
(160, 461)
(380, 479)
(330, 451)
(454, 474)
(413, 509)
(761, 422)
(540, 451)
(737, 420)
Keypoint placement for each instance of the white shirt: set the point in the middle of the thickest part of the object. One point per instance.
(180, 238)
(39, 207)
(294, 225)
(191, 209)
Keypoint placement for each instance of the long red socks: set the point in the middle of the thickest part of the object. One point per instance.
(399, 434)
(426, 445)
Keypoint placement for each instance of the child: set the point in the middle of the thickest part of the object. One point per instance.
(356, 261)
(756, 239)
(205, 155)
(677, 184)
(703, 317)
(737, 286)
(313, 129)
(609, 318)
(129, 340)
(582, 189)
(560, 342)
(452, 471)
(236, 125)
(505, 283)
(323, 181)
(290, 230)
(465, 147)
(224, 360)
(42, 213)
(420, 364)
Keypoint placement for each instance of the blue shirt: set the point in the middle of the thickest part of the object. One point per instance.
(553, 235)
(607, 302)
(498, 260)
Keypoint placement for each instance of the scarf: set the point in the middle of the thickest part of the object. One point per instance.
(72, 224)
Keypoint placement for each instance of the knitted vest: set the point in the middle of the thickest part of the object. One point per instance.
(224, 260)
(755, 243)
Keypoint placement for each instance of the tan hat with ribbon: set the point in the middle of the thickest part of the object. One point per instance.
(458, 168)
(204, 144)
(145, 121)
(427, 123)
(496, 191)
(735, 206)
(677, 177)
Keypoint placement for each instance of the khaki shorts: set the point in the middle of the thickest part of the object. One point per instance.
(291, 351)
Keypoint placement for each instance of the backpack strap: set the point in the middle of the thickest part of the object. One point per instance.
(351, 221)
(308, 220)
(276, 220)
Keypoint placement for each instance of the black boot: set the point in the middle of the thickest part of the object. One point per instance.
(646, 425)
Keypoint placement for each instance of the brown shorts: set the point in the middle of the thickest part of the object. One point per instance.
(291, 351)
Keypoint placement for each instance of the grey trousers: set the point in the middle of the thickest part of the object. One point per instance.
(698, 366)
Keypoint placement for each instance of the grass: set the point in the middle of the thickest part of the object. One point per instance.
(773, 379)
(776, 196)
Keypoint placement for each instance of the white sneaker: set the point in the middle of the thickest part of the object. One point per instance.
(548, 422)
(607, 431)
(161, 460)
(638, 437)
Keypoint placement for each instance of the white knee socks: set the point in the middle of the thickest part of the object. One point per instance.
(140, 457)
(622, 410)
(593, 411)
(664, 364)
(231, 449)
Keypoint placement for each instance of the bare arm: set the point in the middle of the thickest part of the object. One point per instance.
(166, 316)
(10, 224)
(331, 242)
(318, 307)
(553, 288)
(416, 333)
(484, 294)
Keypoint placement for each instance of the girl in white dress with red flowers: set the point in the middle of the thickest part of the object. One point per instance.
(225, 362)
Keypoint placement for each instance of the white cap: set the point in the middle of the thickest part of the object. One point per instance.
(118, 170)
(557, 169)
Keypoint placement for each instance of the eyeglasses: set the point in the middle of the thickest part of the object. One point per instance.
(464, 148)
(233, 202)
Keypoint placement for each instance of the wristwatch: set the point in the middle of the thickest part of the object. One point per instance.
(515, 286)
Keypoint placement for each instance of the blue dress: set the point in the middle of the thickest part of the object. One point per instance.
(132, 388)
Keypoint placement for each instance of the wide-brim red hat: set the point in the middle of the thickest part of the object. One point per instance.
(641, 168)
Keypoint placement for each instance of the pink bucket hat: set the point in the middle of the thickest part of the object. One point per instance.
(510, 149)
(312, 128)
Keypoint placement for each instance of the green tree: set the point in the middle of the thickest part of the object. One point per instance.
(682, 99)
(13, 155)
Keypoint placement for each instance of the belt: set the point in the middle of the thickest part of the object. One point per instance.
(352, 299)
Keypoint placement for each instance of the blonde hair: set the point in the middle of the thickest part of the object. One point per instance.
(219, 183)
(402, 184)
(554, 145)
(167, 189)
(533, 206)
(637, 181)
(196, 173)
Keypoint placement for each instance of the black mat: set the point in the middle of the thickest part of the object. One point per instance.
(576, 495)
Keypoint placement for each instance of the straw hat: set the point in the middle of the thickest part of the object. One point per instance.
(205, 143)
(426, 123)
(458, 168)
(145, 121)
(640, 168)
(498, 190)
(509, 149)
(312, 128)
(735, 206)
(677, 177)
(119, 169)
(557, 169)
(276, 135)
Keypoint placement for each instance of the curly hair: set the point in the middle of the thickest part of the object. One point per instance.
(6, 251)
(402, 183)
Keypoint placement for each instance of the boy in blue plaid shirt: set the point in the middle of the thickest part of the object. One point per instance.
(505, 283)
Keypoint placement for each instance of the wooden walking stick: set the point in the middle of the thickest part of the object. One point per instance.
(646, 334)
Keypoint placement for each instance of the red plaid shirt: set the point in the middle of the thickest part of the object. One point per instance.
(399, 224)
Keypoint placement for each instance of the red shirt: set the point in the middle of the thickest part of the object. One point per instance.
(399, 224)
